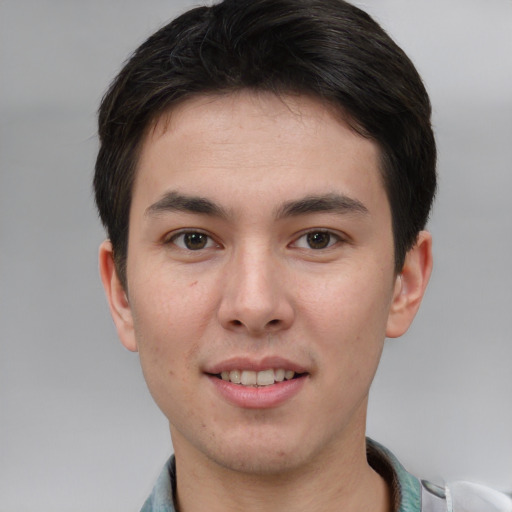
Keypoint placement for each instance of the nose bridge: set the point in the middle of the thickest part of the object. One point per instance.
(254, 297)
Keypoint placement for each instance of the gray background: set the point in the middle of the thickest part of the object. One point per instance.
(78, 430)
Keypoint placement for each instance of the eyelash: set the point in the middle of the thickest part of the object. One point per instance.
(182, 234)
(332, 240)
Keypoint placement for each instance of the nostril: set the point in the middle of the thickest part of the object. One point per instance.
(236, 322)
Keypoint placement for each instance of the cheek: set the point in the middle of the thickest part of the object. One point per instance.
(352, 301)
(166, 352)
(171, 304)
(347, 316)
(169, 320)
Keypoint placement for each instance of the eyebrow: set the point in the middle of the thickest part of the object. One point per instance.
(336, 203)
(175, 201)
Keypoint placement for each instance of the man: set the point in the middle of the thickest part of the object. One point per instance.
(266, 171)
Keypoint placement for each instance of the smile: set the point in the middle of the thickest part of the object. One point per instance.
(257, 379)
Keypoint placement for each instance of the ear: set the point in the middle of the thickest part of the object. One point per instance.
(117, 297)
(410, 286)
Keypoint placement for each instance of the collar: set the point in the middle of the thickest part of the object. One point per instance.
(405, 488)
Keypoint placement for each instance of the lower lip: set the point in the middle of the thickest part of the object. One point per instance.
(264, 397)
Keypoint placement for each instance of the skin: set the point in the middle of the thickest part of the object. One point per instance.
(259, 289)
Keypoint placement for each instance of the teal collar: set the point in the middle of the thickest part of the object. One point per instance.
(406, 488)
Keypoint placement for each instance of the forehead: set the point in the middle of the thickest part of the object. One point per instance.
(270, 143)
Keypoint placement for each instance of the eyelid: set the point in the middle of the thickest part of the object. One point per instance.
(339, 238)
(171, 238)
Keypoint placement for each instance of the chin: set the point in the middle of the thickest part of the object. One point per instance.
(263, 452)
(260, 461)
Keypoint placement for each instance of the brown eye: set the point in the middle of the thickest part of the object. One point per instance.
(192, 240)
(318, 239)
(195, 241)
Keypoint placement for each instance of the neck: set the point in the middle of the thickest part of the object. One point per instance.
(339, 480)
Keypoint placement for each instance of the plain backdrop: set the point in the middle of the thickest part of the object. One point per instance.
(78, 429)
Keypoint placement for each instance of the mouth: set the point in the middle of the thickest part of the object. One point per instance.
(256, 379)
(262, 383)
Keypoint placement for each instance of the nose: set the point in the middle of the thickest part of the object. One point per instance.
(256, 299)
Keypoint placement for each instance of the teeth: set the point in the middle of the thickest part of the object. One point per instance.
(248, 378)
(263, 378)
(279, 375)
(234, 376)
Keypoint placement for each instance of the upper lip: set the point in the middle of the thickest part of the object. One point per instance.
(253, 364)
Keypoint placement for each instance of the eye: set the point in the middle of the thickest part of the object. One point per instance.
(192, 240)
(317, 240)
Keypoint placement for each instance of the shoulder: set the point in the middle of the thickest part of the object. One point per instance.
(470, 497)
(414, 495)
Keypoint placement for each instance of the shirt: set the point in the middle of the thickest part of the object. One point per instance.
(409, 494)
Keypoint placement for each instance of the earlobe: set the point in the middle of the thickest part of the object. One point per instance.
(116, 296)
(410, 286)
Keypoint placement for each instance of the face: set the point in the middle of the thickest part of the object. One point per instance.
(260, 279)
